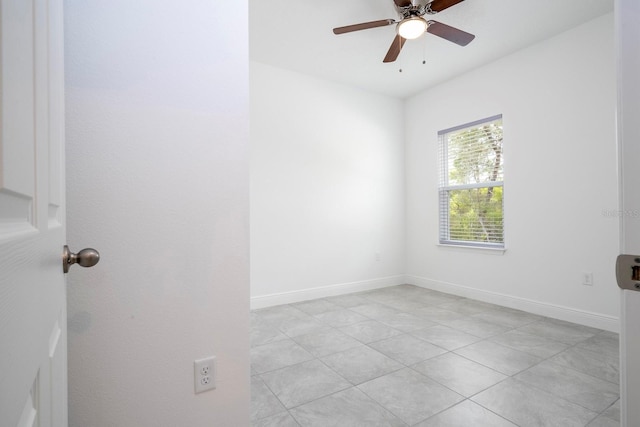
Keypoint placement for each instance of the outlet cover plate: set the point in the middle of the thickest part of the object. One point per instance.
(204, 374)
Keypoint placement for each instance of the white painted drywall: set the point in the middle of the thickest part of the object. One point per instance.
(157, 181)
(327, 187)
(558, 102)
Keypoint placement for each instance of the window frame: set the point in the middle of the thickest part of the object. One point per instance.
(444, 189)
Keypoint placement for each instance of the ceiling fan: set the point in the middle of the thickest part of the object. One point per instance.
(412, 24)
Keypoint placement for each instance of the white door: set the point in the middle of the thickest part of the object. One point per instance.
(33, 346)
(628, 117)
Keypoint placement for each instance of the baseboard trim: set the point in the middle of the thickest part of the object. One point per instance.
(594, 320)
(263, 301)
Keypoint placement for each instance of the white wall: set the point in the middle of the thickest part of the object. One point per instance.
(558, 101)
(157, 181)
(327, 187)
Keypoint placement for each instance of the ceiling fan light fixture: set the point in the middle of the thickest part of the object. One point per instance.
(412, 28)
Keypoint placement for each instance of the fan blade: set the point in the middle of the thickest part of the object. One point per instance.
(440, 5)
(363, 26)
(395, 49)
(402, 3)
(452, 34)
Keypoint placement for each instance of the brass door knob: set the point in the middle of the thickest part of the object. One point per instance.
(87, 258)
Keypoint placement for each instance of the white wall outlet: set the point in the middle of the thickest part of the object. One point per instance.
(587, 279)
(204, 374)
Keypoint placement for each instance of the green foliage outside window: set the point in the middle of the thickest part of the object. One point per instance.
(476, 215)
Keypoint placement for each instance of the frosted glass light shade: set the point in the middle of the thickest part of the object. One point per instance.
(412, 28)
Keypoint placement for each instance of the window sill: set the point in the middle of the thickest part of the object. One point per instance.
(479, 249)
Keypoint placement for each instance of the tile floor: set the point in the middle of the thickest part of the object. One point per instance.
(408, 356)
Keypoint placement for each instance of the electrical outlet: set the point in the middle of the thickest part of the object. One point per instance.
(587, 279)
(204, 374)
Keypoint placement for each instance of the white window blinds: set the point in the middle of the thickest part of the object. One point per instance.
(471, 184)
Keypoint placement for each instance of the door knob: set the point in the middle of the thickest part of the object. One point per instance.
(87, 258)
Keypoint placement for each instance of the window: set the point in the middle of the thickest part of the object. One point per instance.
(471, 184)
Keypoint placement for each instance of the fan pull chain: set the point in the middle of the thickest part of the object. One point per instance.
(424, 51)
(401, 61)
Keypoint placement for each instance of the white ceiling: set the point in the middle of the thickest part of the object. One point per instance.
(297, 35)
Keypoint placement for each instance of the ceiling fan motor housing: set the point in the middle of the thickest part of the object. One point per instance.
(407, 8)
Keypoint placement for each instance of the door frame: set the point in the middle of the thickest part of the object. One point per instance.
(627, 40)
